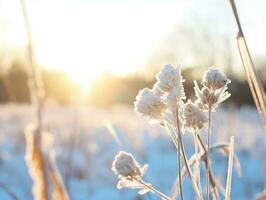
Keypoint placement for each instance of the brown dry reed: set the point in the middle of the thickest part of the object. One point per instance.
(254, 81)
(41, 164)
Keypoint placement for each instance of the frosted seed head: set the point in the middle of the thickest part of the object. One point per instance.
(156, 89)
(175, 96)
(169, 77)
(214, 79)
(194, 116)
(209, 98)
(125, 165)
(149, 105)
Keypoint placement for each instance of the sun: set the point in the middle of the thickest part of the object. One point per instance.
(85, 39)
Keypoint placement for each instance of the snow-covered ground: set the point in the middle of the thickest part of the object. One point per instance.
(84, 130)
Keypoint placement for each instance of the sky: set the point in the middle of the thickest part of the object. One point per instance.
(86, 38)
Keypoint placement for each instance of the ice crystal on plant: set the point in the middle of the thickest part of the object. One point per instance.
(194, 116)
(170, 85)
(129, 171)
(214, 90)
(214, 79)
(149, 105)
(125, 165)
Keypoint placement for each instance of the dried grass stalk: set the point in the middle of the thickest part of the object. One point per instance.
(254, 81)
(59, 190)
(36, 164)
(230, 170)
(42, 169)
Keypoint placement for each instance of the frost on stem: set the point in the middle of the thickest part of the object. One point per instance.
(149, 105)
(40, 157)
(36, 163)
(194, 117)
(214, 90)
(130, 175)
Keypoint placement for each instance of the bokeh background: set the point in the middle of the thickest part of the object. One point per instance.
(94, 56)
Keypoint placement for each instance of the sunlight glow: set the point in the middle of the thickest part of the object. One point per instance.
(86, 39)
(83, 42)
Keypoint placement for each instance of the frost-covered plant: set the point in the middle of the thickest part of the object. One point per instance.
(213, 91)
(170, 83)
(165, 104)
(214, 79)
(194, 116)
(125, 165)
(149, 105)
(130, 174)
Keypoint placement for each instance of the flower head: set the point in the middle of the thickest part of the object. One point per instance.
(169, 77)
(194, 116)
(210, 99)
(175, 96)
(214, 79)
(214, 90)
(125, 165)
(129, 171)
(149, 105)
(170, 85)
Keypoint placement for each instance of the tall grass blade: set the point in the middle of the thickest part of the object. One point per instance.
(230, 170)
(42, 170)
(36, 165)
(254, 81)
(59, 190)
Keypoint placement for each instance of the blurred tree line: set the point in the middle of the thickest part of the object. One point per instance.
(107, 90)
(195, 48)
(193, 43)
(113, 89)
(14, 85)
(196, 41)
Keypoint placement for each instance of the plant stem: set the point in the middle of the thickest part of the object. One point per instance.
(157, 192)
(179, 171)
(179, 159)
(230, 169)
(188, 168)
(212, 181)
(208, 158)
(35, 84)
(254, 81)
(197, 165)
(37, 95)
(178, 131)
(175, 139)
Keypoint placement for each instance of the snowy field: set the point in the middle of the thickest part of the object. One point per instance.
(86, 147)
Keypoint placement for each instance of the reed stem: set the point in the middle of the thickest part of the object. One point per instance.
(155, 191)
(179, 159)
(208, 156)
(197, 164)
